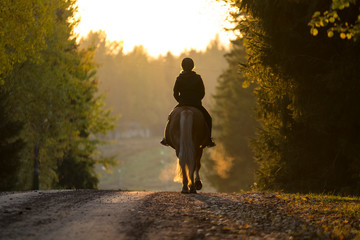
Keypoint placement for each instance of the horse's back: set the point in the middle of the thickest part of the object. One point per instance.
(199, 128)
(198, 115)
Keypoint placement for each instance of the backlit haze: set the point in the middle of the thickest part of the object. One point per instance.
(139, 87)
(159, 25)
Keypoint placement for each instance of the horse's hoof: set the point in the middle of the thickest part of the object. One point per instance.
(192, 189)
(198, 185)
(185, 190)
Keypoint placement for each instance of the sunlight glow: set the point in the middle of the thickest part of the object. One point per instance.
(159, 25)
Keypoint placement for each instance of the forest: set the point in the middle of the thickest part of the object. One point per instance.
(283, 98)
(304, 63)
(139, 88)
(51, 111)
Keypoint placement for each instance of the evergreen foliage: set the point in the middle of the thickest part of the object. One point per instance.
(231, 163)
(306, 100)
(77, 171)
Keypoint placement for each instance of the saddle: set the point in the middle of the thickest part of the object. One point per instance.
(166, 143)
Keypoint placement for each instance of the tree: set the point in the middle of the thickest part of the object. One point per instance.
(231, 163)
(88, 118)
(24, 27)
(343, 17)
(306, 100)
(56, 99)
(10, 146)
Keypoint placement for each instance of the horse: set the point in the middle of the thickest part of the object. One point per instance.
(187, 132)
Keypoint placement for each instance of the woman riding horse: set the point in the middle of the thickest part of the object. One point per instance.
(189, 90)
(187, 133)
(188, 130)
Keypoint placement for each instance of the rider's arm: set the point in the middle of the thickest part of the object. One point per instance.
(201, 88)
(177, 91)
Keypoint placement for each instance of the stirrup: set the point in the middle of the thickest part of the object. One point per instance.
(211, 144)
(163, 142)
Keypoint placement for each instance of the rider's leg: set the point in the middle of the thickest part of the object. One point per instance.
(163, 141)
(208, 120)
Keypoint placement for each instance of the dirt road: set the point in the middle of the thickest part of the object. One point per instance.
(93, 214)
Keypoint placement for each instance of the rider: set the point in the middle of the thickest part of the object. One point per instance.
(189, 91)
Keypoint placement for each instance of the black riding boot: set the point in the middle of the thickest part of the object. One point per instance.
(211, 142)
(208, 120)
(163, 142)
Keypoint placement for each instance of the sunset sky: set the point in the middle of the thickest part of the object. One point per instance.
(159, 25)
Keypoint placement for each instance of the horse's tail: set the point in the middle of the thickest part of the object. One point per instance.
(186, 153)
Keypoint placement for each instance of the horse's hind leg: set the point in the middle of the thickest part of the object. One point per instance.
(192, 185)
(185, 188)
(198, 184)
(193, 169)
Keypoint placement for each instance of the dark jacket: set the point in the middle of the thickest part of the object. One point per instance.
(189, 89)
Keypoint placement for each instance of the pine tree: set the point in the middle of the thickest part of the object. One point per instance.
(231, 163)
